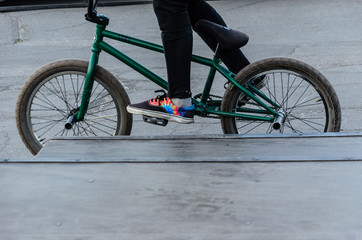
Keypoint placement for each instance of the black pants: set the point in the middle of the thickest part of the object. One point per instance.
(176, 18)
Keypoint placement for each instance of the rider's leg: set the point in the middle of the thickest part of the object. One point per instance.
(175, 25)
(234, 59)
(175, 18)
(176, 30)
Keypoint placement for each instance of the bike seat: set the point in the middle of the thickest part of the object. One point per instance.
(226, 37)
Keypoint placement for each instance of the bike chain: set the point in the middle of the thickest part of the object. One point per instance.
(211, 100)
(219, 97)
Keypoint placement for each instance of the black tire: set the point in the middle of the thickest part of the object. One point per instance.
(48, 96)
(308, 99)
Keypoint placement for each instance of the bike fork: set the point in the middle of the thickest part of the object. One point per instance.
(78, 113)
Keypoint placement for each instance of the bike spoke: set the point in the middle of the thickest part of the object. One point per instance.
(100, 130)
(58, 93)
(308, 122)
(86, 130)
(94, 123)
(48, 101)
(110, 118)
(103, 110)
(48, 128)
(100, 105)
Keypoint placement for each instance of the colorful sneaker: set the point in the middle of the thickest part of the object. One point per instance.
(162, 107)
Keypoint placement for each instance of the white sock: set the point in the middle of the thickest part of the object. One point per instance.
(182, 102)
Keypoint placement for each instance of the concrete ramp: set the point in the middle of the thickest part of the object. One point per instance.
(217, 187)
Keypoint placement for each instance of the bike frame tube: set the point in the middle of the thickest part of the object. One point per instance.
(209, 81)
(99, 45)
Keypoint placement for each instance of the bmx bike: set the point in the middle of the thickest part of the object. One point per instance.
(80, 98)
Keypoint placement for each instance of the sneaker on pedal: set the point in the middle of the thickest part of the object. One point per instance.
(162, 107)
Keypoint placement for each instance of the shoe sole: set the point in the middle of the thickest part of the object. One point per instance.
(167, 116)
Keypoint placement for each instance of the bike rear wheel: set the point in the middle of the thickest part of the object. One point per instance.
(307, 99)
(54, 92)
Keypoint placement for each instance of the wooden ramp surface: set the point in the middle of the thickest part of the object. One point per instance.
(190, 188)
(209, 148)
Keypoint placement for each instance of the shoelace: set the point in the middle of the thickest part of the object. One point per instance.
(160, 97)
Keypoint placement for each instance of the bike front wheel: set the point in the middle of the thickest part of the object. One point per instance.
(305, 97)
(53, 93)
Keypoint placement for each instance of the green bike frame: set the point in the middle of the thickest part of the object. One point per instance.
(202, 108)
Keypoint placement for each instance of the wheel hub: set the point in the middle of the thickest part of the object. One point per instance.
(280, 119)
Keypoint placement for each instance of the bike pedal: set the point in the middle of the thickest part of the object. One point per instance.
(155, 121)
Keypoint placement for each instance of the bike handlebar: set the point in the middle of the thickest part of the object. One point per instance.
(92, 16)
